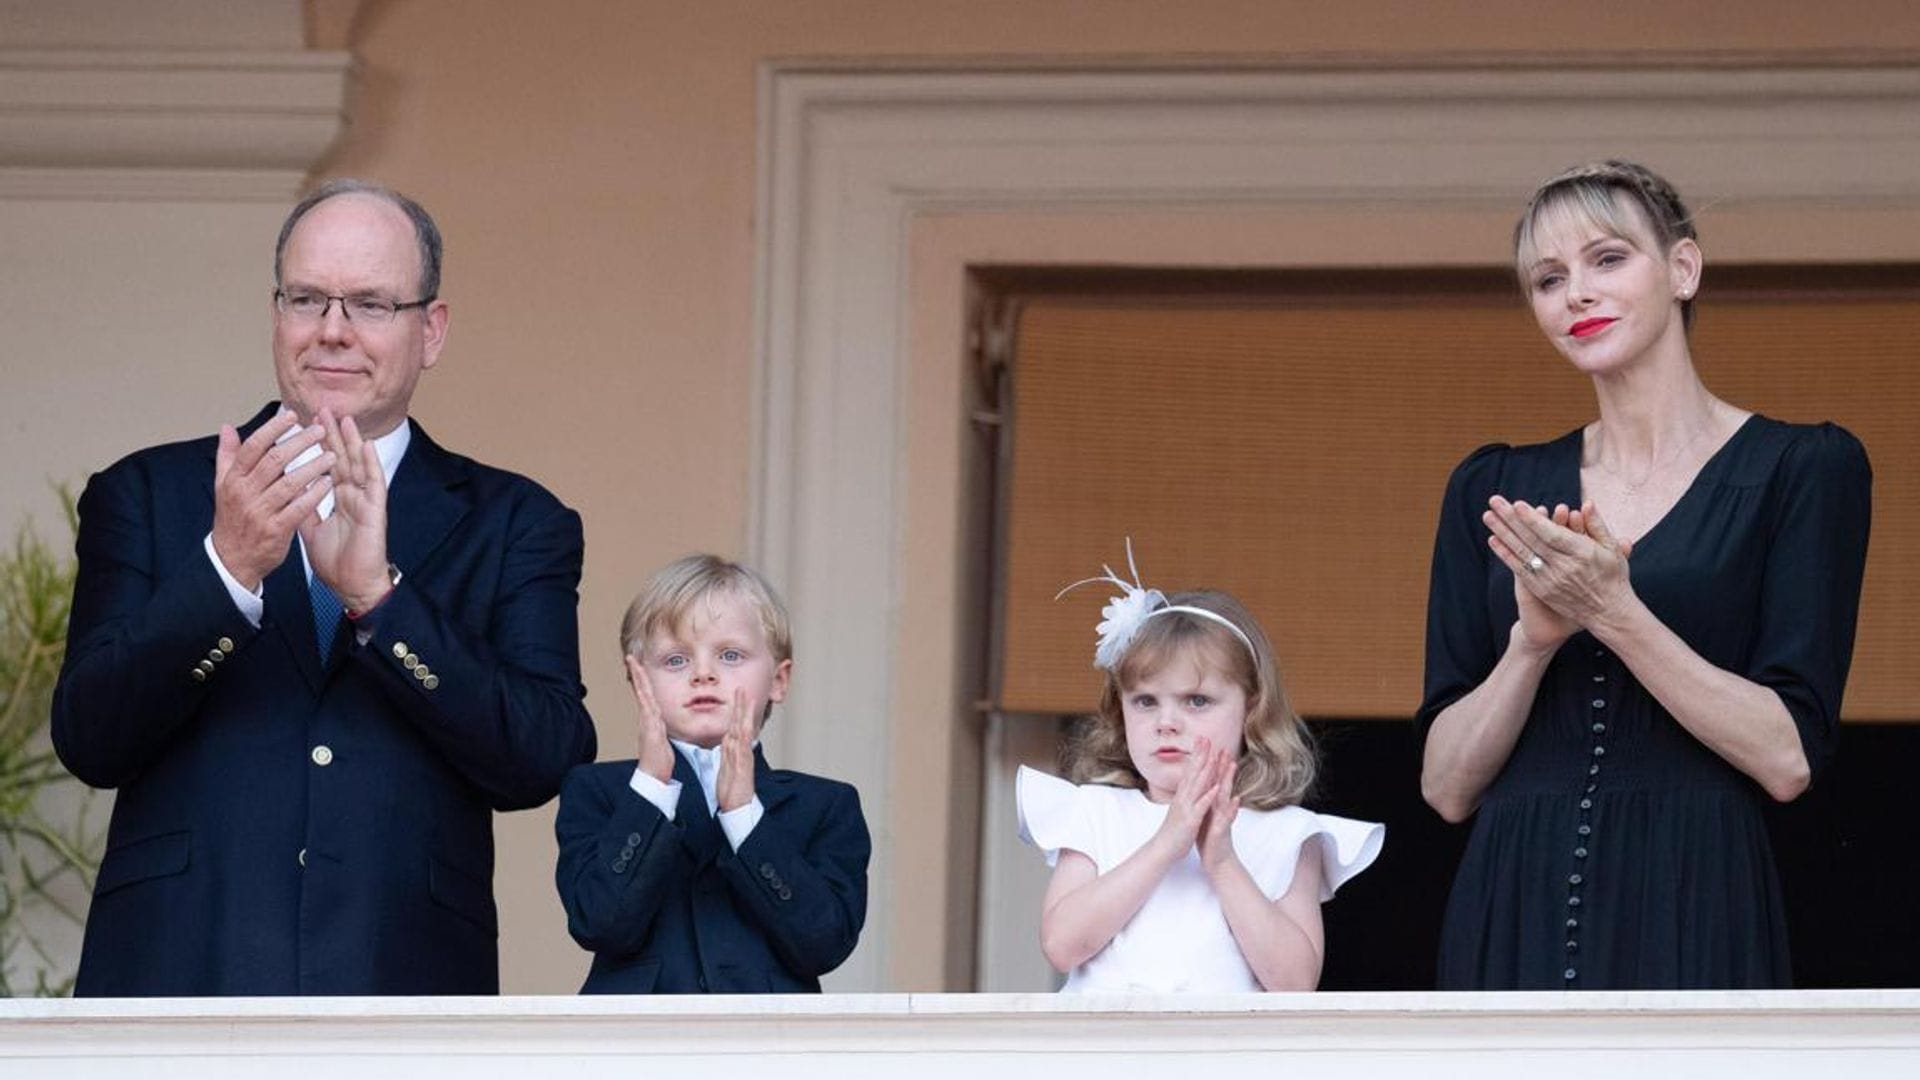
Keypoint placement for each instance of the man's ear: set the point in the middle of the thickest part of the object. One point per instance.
(434, 330)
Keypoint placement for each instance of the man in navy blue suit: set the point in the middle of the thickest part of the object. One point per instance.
(315, 653)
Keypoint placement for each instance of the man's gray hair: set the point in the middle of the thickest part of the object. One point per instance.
(424, 230)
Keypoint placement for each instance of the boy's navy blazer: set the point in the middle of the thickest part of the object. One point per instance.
(668, 907)
(287, 828)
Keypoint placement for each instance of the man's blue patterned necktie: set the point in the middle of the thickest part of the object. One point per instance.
(327, 613)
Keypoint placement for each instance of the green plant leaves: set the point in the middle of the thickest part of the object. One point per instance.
(49, 836)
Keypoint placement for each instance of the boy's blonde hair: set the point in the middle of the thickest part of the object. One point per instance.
(1277, 762)
(669, 597)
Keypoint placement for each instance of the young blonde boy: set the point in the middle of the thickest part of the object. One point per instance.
(696, 868)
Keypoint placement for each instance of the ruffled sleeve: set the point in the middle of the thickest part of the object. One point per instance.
(1269, 844)
(1346, 848)
(1052, 814)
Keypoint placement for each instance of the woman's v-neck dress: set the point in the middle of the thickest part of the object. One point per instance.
(1614, 850)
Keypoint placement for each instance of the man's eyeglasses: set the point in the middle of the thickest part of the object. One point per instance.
(367, 310)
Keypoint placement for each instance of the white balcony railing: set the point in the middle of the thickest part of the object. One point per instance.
(1856, 1034)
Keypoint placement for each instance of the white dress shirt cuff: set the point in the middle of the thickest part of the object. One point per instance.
(665, 796)
(738, 823)
(252, 605)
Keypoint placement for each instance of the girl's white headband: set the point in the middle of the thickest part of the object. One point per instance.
(1125, 614)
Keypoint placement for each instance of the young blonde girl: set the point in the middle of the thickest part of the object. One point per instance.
(1181, 857)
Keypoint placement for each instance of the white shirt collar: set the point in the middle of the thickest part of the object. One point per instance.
(706, 766)
(390, 448)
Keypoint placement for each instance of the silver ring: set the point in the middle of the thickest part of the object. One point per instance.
(1535, 564)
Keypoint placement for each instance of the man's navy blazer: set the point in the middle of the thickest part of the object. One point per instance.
(668, 907)
(286, 828)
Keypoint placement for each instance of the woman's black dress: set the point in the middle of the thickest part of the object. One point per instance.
(1614, 851)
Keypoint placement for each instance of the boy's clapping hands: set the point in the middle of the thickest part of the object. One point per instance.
(655, 753)
(733, 787)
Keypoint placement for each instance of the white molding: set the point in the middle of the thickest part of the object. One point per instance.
(848, 161)
(217, 125)
(1866, 1033)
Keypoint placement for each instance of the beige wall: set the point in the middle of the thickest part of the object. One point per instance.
(593, 166)
(130, 24)
(99, 333)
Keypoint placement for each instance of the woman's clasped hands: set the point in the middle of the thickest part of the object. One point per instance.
(1569, 570)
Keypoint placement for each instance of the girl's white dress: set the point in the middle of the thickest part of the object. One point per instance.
(1179, 940)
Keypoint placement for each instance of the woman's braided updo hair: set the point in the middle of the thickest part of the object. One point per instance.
(1592, 191)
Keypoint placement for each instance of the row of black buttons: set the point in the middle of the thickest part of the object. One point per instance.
(1583, 831)
(774, 881)
(626, 853)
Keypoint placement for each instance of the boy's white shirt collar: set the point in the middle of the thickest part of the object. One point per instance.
(737, 823)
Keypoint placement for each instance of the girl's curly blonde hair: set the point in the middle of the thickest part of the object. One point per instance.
(1277, 759)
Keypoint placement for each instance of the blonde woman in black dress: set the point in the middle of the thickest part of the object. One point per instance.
(1637, 633)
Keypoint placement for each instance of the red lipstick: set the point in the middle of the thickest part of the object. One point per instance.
(1589, 327)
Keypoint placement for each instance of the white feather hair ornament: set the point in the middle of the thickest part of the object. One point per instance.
(1124, 615)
